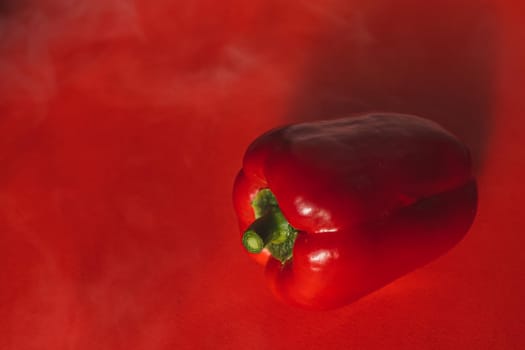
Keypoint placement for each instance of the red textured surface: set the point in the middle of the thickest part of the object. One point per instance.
(122, 126)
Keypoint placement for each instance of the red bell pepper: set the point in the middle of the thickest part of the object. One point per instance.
(337, 209)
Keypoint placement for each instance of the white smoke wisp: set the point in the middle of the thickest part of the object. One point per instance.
(35, 32)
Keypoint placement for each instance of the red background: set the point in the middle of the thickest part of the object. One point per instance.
(123, 123)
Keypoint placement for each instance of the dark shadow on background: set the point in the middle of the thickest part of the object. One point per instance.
(5, 6)
(8, 7)
(431, 58)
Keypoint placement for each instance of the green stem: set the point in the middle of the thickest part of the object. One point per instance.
(270, 230)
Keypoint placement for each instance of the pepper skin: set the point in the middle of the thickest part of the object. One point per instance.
(367, 200)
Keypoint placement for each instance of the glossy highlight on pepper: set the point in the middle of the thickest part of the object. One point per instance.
(337, 209)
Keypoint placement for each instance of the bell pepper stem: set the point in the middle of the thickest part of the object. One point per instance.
(252, 242)
(270, 229)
